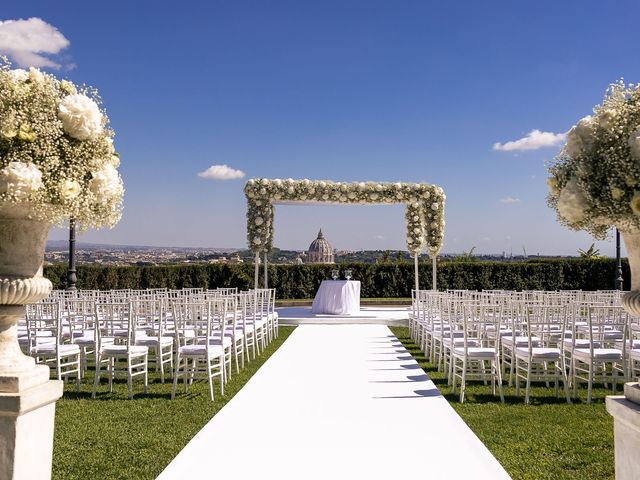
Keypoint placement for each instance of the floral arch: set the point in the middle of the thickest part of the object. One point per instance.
(424, 209)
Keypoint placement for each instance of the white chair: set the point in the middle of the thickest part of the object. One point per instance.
(44, 326)
(601, 359)
(116, 325)
(542, 359)
(197, 360)
(471, 353)
(150, 320)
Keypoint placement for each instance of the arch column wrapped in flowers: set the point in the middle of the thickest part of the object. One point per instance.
(424, 209)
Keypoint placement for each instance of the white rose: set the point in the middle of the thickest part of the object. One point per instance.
(19, 75)
(80, 116)
(277, 182)
(351, 195)
(572, 202)
(69, 189)
(634, 143)
(417, 231)
(35, 75)
(434, 206)
(290, 190)
(580, 138)
(259, 221)
(257, 241)
(105, 184)
(20, 179)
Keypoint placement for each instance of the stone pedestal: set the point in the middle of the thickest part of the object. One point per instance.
(27, 407)
(625, 410)
(27, 396)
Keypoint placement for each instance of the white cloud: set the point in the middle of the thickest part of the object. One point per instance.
(510, 200)
(221, 172)
(534, 140)
(25, 41)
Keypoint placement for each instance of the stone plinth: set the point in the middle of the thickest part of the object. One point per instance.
(625, 410)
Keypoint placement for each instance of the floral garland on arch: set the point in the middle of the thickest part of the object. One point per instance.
(594, 181)
(56, 150)
(424, 206)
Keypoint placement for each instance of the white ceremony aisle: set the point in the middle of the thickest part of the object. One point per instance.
(337, 401)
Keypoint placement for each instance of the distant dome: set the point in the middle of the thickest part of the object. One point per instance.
(320, 250)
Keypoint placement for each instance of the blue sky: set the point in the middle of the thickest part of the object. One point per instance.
(343, 90)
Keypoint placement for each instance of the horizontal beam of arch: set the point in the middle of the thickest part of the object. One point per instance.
(424, 206)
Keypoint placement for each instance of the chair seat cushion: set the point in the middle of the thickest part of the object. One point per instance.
(459, 342)
(579, 343)
(201, 350)
(598, 353)
(520, 341)
(216, 340)
(153, 341)
(64, 350)
(539, 353)
(121, 350)
(475, 352)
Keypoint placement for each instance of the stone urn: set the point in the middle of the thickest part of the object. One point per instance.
(625, 409)
(27, 396)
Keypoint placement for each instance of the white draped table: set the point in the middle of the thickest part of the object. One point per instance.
(337, 297)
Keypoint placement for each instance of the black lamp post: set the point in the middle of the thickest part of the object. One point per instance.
(71, 271)
(618, 281)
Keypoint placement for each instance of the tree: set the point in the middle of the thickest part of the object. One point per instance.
(590, 253)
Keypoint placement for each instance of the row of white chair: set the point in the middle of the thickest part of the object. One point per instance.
(212, 329)
(557, 337)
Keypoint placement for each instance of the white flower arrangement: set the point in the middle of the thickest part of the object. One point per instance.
(56, 150)
(594, 181)
(424, 206)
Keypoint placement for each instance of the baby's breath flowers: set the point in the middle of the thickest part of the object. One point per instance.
(56, 150)
(424, 206)
(594, 181)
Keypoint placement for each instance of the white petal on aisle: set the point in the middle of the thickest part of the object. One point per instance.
(337, 401)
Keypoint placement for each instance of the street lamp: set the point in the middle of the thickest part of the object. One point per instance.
(71, 271)
(618, 281)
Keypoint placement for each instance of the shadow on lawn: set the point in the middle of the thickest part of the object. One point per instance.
(541, 395)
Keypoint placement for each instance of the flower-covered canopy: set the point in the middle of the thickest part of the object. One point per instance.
(424, 206)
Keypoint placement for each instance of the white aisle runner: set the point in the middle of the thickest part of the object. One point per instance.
(337, 402)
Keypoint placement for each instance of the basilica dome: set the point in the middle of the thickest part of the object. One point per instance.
(320, 250)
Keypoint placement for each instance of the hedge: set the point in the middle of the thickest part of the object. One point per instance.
(378, 281)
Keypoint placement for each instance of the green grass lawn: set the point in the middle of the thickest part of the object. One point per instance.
(547, 439)
(112, 437)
